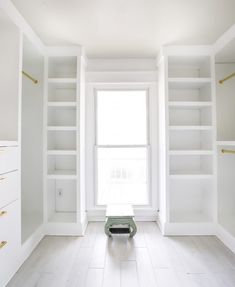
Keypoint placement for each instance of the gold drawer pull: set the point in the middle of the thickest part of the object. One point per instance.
(2, 150)
(2, 178)
(2, 244)
(3, 213)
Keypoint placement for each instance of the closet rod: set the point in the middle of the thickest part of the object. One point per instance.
(228, 151)
(227, 78)
(30, 77)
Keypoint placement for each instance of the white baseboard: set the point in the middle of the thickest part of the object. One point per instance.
(84, 225)
(226, 237)
(64, 229)
(160, 225)
(27, 248)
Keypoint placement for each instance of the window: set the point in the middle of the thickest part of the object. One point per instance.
(122, 147)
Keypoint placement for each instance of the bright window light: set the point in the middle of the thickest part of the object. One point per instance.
(121, 117)
(122, 150)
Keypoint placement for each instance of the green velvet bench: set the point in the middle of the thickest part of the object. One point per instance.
(120, 220)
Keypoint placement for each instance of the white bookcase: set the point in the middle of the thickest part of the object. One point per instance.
(186, 134)
(65, 124)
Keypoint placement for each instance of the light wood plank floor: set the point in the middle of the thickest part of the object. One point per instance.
(147, 260)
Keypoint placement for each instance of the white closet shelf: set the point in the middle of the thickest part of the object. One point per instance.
(62, 104)
(62, 174)
(188, 84)
(193, 81)
(61, 128)
(63, 217)
(8, 143)
(195, 175)
(191, 152)
(61, 152)
(226, 143)
(62, 80)
(189, 104)
(190, 128)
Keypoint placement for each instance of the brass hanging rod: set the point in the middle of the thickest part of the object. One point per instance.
(228, 151)
(30, 77)
(227, 78)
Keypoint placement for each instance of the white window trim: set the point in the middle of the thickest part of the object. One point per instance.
(91, 186)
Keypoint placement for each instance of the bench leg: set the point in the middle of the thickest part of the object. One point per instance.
(130, 222)
(108, 224)
(132, 227)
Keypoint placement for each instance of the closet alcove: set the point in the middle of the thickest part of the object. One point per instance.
(225, 101)
(31, 140)
(187, 197)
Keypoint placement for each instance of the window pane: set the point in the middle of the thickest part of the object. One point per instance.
(122, 175)
(121, 117)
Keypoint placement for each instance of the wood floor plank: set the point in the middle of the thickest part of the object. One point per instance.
(167, 278)
(112, 269)
(202, 280)
(144, 268)
(89, 239)
(149, 259)
(78, 273)
(94, 278)
(129, 277)
(99, 251)
(161, 249)
(139, 238)
(193, 261)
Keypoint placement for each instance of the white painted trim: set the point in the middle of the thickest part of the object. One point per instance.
(226, 237)
(67, 51)
(90, 138)
(26, 249)
(194, 51)
(30, 244)
(64, 229)
(224, 40)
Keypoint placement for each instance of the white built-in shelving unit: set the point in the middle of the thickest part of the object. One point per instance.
(65, 123)
(187, 165)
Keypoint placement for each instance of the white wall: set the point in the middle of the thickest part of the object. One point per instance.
(225, 102)
(9, 74)
(32, 139)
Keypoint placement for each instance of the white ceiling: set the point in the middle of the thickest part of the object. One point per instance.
(127, 28)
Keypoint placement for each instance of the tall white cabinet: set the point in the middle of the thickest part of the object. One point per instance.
(42, 141)
(10, 219)
(65, 141)
(187, 193)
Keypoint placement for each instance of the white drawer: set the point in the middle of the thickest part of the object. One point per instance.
(8, 159)
(9, 188)
(9, 240)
